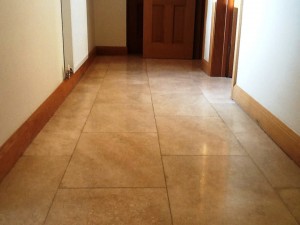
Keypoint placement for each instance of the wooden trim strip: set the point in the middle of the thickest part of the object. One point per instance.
(205, 66)
(281, 134)
(111, 50)
(15, 146)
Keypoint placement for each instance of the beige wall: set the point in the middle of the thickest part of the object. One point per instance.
(91, 24)
(31, 53)
(268, 67)
(31, 56)
(110, 22)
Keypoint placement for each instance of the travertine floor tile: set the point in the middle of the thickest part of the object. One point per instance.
(116, 160)
(121, 118)
(99, 156)
(216, 89)
(280, 170)
(65, 124)
(173, 85)
(187, 135)
(27, 192)
(110, 206)
(182, 104)
(291, 198)
(76, 105)
(235, 118)
(125, 91)
(53, 144)
(213, 190)
(127, 75)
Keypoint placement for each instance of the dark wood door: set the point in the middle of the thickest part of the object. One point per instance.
(135, 26)
(169, 28)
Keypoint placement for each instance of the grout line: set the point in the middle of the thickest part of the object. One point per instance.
(78, 188)
(71, 157)
(161, 155)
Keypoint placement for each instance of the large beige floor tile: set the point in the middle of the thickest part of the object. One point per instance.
(53, 144)
(121, 118)
(27, 192)
(99, 68)
(173, 85)
(216, 89)
(192, 135)
(65, 124)
(235, 118)
(76, 105)
(214, 190)
(127, 75)
(110, 206)
(280, 170)
(193, 104)
(125, 91)
(291, 198)
(116, 160)
(168, 65)
(130, 96)
(130, 64)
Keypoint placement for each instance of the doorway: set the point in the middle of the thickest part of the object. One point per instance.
(135, 26)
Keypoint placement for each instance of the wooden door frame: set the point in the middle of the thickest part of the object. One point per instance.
(222, 29)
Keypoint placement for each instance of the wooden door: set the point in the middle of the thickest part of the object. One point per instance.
(169, 28)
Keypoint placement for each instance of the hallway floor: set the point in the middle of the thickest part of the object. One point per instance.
(143, 142)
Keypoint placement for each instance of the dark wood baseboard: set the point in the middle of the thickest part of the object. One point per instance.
(281, 134)
(15, 146)
(111, 50)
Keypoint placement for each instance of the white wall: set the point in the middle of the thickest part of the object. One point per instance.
(31, 65)
(208, 27)
(75, 32)
(269, 63)
(110, 22)
(79, 32)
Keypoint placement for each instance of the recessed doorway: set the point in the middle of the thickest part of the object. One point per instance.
(135, 26)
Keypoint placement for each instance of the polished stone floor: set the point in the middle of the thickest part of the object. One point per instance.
(143, 142)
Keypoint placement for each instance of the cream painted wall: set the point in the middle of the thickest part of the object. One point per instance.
(110, 22)
(31, 65)
(269, 66)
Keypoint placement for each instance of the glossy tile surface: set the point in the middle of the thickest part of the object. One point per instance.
(121, 118)
(192, 104)
(149, 141)
(280, 170)
(191, 135)
(110, 206)
(221, 190)
(115, 160)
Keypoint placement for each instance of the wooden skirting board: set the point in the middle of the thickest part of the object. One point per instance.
(205, 66)
(281, 134)
(111, 50)
(15, 146)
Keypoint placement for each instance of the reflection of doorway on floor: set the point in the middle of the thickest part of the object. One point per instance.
(135, 26)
